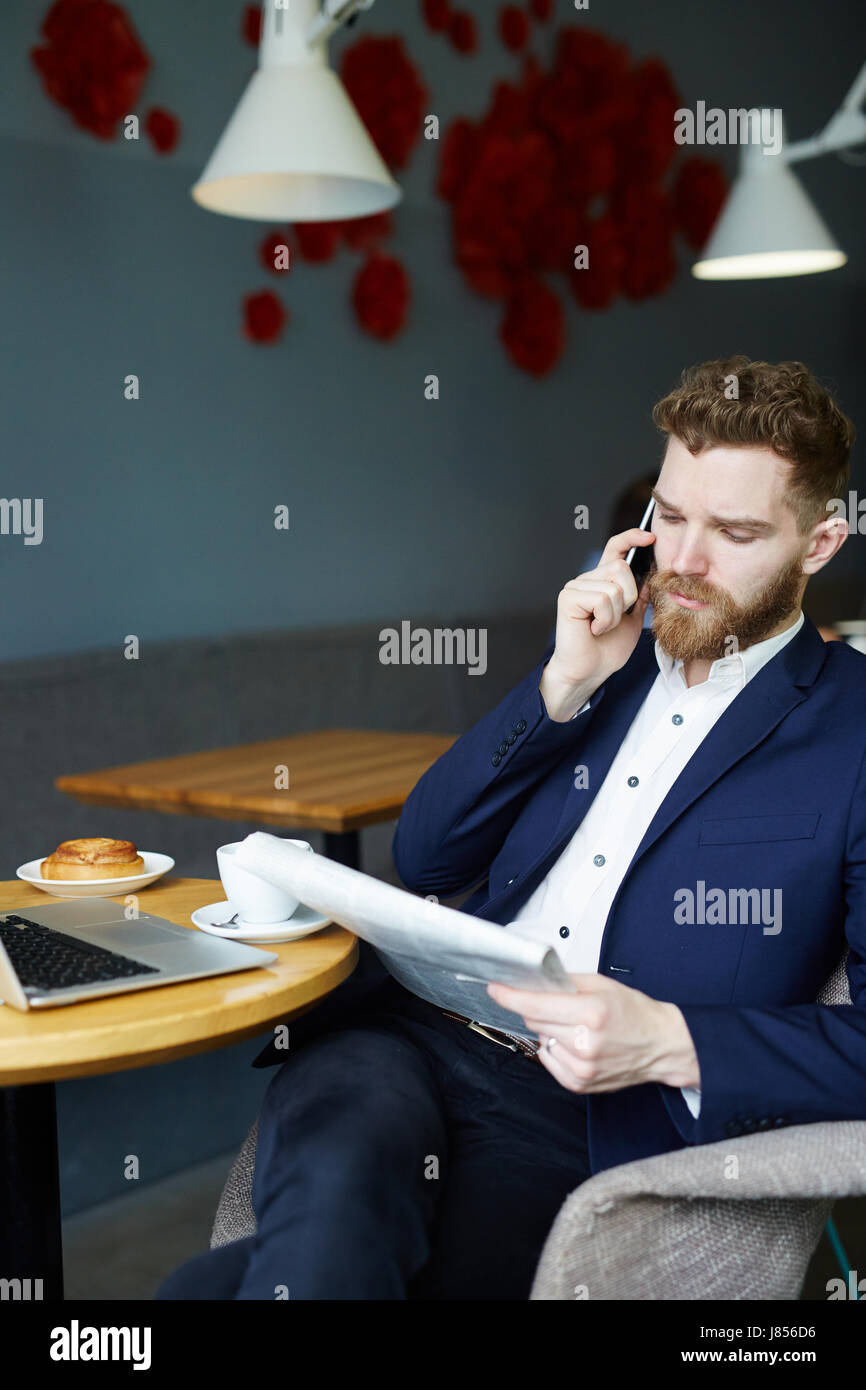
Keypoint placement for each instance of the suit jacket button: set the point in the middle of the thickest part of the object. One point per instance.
(732, 1128)
(512, 737)
(496, 759)
(749, 1125)
(509, 883)
(779, 1121)
(503, 747)
(520, 725)
(764, 1122)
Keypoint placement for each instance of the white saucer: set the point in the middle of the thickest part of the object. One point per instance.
(302, 922)
(155, 865)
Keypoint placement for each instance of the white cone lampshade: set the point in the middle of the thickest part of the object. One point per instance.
(295, 149)
(768, 227)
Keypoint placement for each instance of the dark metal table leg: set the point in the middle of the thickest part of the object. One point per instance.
(31, 1247)
(343, 846)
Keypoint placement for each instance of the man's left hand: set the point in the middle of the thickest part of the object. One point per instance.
(606, 1036)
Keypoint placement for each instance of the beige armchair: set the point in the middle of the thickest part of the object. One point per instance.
(739, 1219)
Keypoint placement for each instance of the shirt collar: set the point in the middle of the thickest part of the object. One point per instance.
(738, 668)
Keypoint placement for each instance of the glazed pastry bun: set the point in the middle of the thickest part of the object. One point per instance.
(97, 858)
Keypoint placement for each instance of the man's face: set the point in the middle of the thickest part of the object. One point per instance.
(742, 579)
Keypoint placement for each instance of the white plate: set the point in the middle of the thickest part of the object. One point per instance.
(302, 922)
(155, 865)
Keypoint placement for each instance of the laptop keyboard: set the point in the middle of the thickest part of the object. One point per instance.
(43, 958)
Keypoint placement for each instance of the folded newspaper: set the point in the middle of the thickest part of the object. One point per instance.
(444, 956)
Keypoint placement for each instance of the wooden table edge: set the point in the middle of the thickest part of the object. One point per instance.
(291, 818)
(70, 1071)
(304, 996)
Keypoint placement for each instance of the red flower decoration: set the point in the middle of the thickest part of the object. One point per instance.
(437, 14)
(598, 283)
(463, 32)
(264, 317)
(513, 28)
(93, 63)
(271, 251)
(553, 236)
(163, 129)
(646, 140)
(385, 86)
(567, 156)
(533, 329)
(251, 24)
(646, 227)
(510, 186)
(363, 233)
(510, 112)
(698, 195)
(381, 296)
(457, 158)
(317, 241)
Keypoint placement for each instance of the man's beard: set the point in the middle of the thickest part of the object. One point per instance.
(703, 634)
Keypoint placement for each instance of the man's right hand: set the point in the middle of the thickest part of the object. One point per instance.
(594, 635)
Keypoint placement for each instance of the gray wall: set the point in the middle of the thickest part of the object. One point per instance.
(158, 512)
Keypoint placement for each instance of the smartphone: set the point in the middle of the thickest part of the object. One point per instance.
(640, 557)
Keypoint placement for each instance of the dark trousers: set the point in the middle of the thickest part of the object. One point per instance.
(401, 1155)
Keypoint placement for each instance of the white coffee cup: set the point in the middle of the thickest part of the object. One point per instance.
(253, 898)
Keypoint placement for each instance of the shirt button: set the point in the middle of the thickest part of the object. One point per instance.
(598, 859)
(520, 725)
(632, 781)
(676, 719)
(563, 931)
(496, 759)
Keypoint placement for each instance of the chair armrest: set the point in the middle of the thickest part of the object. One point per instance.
(235, 1218)
(737, 1219)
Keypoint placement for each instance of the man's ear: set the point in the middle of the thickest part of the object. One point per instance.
(827, 538)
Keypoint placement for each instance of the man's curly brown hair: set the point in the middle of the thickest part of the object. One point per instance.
(779, 406)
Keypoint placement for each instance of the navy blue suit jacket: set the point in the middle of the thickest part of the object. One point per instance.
(774, 798)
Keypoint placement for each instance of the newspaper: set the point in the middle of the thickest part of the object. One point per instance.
(444, 956)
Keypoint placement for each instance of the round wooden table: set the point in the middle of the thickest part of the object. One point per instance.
(118, 1033)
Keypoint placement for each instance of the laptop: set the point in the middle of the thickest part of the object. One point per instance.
(85, 948)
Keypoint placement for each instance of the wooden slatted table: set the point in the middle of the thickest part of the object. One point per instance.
(124, 1031)
(339, 780)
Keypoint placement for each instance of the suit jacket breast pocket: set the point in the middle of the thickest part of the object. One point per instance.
(748, 830)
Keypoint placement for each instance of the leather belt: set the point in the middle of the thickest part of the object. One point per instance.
(510, 1040)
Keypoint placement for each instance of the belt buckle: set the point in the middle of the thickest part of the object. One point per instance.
(478, 1028)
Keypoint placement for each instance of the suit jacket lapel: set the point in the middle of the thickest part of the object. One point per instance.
(759, 707)
(752, 715)
(626, 691)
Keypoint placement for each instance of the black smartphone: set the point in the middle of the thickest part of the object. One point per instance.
(640, 557)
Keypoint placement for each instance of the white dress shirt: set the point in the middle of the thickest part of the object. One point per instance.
(667, 730)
